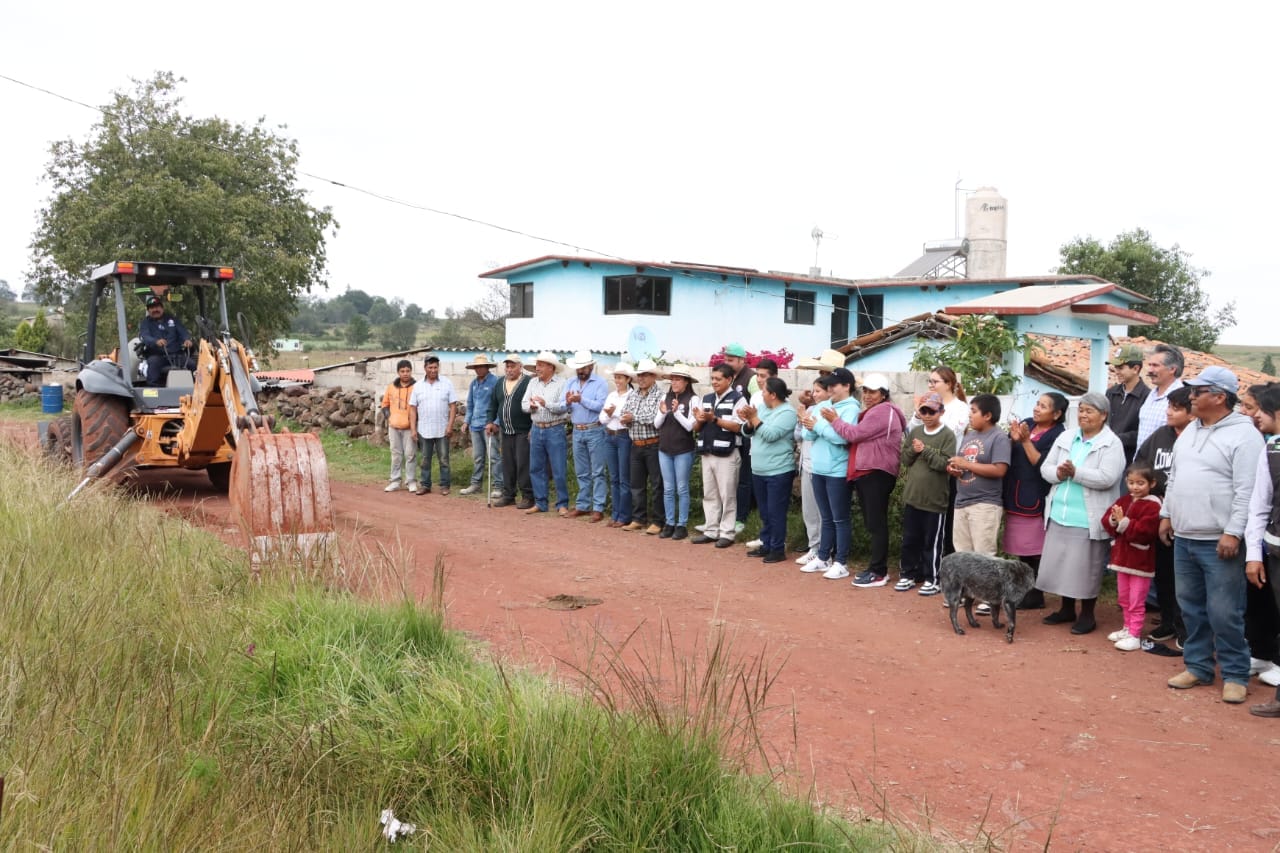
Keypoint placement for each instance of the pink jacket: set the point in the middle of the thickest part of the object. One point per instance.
(875, 441)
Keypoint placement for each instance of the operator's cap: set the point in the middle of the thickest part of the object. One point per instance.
(153, 300)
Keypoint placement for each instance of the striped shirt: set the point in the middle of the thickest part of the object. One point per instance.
(644, 409)
(1155, 411)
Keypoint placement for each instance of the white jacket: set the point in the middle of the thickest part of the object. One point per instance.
(1101, 473)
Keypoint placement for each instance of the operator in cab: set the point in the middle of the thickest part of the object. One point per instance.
(165, 342)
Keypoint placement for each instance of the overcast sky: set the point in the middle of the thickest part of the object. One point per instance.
(713, 132)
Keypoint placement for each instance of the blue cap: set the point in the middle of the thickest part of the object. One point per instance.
(1218, 376)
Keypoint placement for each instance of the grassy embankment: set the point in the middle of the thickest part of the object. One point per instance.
(155, 698)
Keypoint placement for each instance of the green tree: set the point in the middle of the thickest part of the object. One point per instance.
(6, 292)
(413, 312)
(1268, 366)
(32, 336)
(977, 354)
(1135, 261)
(150, 182)
(398, 334)
(358, 331)
(381, 312)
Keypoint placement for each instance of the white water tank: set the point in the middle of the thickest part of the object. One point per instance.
(986, 217)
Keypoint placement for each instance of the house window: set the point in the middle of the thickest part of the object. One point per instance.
(870, 314)
(637, 294)
(522, 299)
(798, 307)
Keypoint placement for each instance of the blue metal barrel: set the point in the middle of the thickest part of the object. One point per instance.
(51, 399)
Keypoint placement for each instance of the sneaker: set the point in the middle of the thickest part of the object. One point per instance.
(755, 543)
(469, 490)
(869, 579)
(1117, 636)
(807, 556)
(413, 488)
(817, 564)
(982, 608)
(496, 494)
(1259, 665)
(393, 487)
(1163, 634)
(929, 588)
(904, 585)
(1128, 643)
(836, 571)
(1270, 676)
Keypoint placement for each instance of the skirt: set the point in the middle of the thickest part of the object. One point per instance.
(1073, 563)
(1023, 535)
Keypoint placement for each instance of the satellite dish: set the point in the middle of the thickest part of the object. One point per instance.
(642, 343)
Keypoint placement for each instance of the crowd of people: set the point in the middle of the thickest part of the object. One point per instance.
(1171, 485)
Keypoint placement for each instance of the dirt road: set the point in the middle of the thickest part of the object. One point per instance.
(1053, 736)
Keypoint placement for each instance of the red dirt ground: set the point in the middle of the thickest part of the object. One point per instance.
(1054, 738)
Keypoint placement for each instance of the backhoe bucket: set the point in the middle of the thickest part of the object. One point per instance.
(280, 493)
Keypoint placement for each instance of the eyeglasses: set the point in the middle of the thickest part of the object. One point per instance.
(1197, 390)
(933, 381)
(927, 412)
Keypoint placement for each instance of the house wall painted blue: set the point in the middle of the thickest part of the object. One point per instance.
(711, 306)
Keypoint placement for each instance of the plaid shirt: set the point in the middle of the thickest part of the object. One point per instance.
(644, 408)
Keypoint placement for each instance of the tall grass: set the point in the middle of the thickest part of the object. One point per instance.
(153, 697)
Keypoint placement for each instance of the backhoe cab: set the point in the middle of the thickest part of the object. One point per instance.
(204, 419)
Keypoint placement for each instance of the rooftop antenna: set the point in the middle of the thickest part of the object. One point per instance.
(955, 203)
(817, 236)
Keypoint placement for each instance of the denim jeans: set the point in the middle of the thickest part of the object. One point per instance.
(427, 447)
(1211, 594)
(588, 465)
(549, 445)
(483, 448)
(617, 452)
(675, 484)
(832, 495)
(773, 499)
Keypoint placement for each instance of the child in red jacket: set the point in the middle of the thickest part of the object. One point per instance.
(1133, 521)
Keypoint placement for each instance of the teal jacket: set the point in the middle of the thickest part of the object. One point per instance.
(830, 457)
(773, 443)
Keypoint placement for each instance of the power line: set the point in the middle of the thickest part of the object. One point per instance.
(689, 275)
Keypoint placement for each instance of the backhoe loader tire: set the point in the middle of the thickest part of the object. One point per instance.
(57, 441)
(98, 422)
(220, 476)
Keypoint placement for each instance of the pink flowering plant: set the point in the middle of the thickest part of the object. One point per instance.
(783, 357)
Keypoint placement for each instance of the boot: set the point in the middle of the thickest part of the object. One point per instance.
(1033, 600)
(1064, 614)
(1085, 623)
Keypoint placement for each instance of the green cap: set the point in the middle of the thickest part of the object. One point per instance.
(736, 350)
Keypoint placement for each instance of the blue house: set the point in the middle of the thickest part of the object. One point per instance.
(688, 311)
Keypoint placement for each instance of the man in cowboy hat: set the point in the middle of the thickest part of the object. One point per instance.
(746, 383)
(511, 424)
(638, 416)
(585, 394)
(545, 403)
(433, 408)
(484, 448)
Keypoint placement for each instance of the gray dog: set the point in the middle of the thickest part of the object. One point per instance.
(966, 577)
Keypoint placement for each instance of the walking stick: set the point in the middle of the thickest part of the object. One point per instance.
(488, 457)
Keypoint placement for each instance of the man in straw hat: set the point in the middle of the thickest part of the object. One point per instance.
(433, 407)
(509, 422)
(545, 403)
(585, 394)
(638, 415)
(484, 448)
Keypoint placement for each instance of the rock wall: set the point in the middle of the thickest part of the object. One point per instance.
(14, 389)
(352, 413)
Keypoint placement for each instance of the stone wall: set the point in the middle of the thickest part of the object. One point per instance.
(352, 413)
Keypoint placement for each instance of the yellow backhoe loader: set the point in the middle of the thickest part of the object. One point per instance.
(189, 402)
